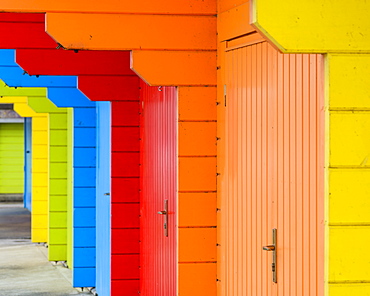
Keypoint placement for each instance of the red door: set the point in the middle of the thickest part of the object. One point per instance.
(158, 237)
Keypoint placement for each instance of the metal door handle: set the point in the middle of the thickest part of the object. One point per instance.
(269, 248)
(272, 248)
(165, 216)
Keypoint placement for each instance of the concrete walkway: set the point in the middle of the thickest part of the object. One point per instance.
(24, 268)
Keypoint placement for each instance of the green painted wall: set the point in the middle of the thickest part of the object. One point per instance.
(11, 158)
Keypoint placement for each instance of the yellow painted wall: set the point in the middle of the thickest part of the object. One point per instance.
(11, 158)
(348, 174)
(40, 177)
(314, 26)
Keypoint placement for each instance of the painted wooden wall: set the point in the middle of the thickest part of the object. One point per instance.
(306, 21)
(84, 221)
(125, 174)
(40, 178)
(348, 127)
(11, 158)
(197, 191)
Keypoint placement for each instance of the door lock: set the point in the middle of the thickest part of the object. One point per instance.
(272, 248)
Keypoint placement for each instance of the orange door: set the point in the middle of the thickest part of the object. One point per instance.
(275, 165)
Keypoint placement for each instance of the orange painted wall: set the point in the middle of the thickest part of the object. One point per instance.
(197, 7)
(197, 191)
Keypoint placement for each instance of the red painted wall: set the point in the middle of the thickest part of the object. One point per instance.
(125, 198)
(158, 258)
(70, 62)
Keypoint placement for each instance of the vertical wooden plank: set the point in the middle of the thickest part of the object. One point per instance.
(305, 164)
(280, 172)
(249, 158)
(272, 87)
(265, 222)
(257, 166)
(286, 173)
(313, 172)
(321, 178)
(299, 180)
(292, 169)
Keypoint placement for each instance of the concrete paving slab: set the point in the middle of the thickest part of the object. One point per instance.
(24, 268)
(24, 271)
(15, 221)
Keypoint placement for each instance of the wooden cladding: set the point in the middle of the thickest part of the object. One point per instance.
(274, 173)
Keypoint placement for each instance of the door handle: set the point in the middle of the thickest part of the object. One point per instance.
(269, 248)
(272, 248)
(165, 216)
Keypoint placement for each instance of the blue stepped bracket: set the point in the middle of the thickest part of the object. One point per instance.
(63, 92)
